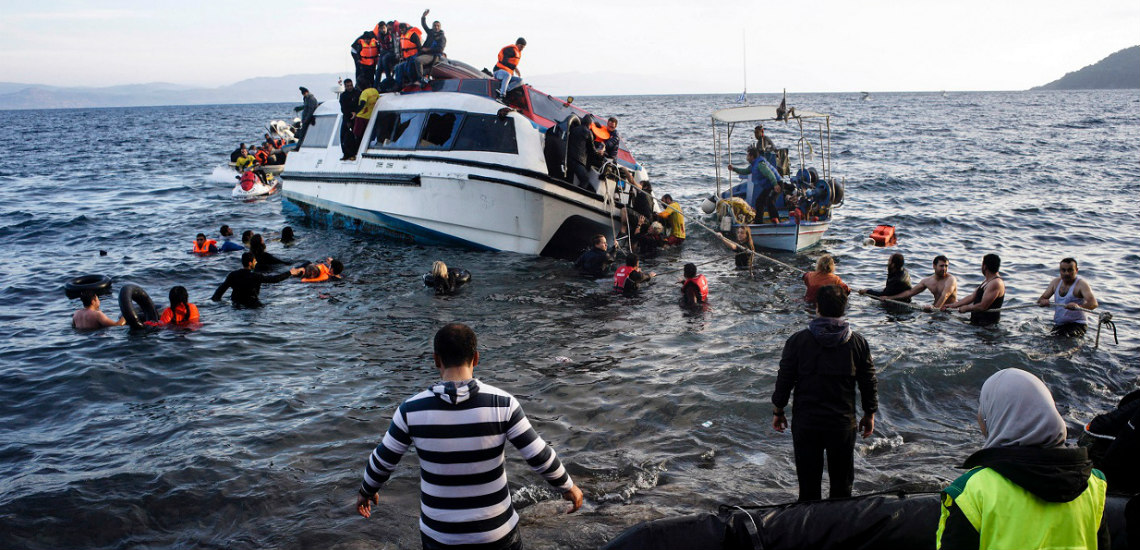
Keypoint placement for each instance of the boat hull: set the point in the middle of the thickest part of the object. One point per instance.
(788, 237)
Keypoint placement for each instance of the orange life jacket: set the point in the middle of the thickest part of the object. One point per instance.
(323, 276)
(509, 58)
(168, 315)
(262, 156)
(408, 47)
(278, 143)
(702, 286)
(620, 277)
(369, 51)
(601, 133)
(205, 248)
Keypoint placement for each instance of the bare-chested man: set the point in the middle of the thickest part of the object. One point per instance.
(1069, 292)
(942, 285)
(989, 295)
(90, 317)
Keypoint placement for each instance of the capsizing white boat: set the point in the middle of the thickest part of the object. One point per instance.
(449, 165)
(802, 222)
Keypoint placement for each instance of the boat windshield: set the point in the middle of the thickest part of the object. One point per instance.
(318, 133)
(443, 131)
(552, 108)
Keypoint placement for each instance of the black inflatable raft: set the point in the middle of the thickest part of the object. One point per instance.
(881, 521)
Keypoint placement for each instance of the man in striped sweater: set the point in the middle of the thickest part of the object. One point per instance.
(460, 427)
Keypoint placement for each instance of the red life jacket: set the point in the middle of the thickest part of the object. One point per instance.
(247, 181)
(262, 156)
(369, 51)
(702, 286)
(509, 58)
(620, 276)
(205, 248)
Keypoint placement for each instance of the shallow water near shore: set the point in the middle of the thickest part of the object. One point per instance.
(252, 431)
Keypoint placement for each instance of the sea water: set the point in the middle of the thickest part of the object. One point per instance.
(253, 430)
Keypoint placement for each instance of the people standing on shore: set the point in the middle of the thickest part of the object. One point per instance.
(1069, 292)
(941, 284)
(823, 275)
(898, 280)
(246, 283)
(989, 295)
(464, 496)
(1025, 489)
(507, 68)
(90, 317)
(819, 370)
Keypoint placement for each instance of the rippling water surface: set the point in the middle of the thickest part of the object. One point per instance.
(252, 431)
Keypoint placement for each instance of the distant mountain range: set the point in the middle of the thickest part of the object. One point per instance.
(1120, 70)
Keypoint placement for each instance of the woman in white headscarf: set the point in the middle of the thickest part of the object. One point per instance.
(1025, 488)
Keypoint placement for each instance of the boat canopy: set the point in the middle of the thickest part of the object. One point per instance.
(757, 113)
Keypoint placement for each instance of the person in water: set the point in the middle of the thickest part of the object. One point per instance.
(465, 498)
(181, 312)
(226, 234)
(246, 283)
(287, 236)
(266, 260)
(1069, 292)
(246, 237)
(202, 245)
(319, 272)
(822, 365)
(649, 243)
(742, 245)
(595, 262)
(823, 275)
(941, 284)
(989, 295)
(1025, 489)
(629, 277)
(694, 287)
(446, 281)
(898, 280)
(675, 219)
(1114, 447)
(90, 317)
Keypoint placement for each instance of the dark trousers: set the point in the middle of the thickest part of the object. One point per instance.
(348, 141)
(810, 445)
(766, 205)
(578, 174)
(365, 76)
(513, 541)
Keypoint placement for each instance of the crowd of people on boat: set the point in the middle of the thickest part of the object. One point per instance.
(768, 188)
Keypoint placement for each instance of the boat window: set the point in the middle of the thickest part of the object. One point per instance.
(440, 130)
(396, 130)
(320, 131)
(449, 85)
(551, 108)
(487, 133)
(476, 86)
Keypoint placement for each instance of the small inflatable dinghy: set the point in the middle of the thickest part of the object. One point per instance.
(251, 187)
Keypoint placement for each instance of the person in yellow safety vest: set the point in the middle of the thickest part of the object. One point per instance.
(365, 53)
(508, 64)
(1025, 489)
(675, 218)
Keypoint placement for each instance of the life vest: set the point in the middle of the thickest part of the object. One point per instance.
(369, 51)
(702, 285)
(205, 248)
(1008, 516)
(277, 143)
(884, 235)
(248, 179)
(262, 157)
(168, 315)
(408, 47)
(322, 276)
(601, 133)
(509, 58)
(620, 277)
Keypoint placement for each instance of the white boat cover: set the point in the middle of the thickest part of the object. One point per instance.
(756, 113)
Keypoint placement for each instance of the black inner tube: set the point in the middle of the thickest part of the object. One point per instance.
(130, 296)
(99, 284)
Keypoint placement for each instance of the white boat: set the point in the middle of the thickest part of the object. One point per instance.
(450, 166)
(255, 188)
(275, 169)
(805, 167)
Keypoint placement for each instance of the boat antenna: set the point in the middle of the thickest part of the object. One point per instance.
(744, 60)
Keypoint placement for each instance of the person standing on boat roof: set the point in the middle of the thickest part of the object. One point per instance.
(1025, 489)
(1069, 293)
(366, 54)
(595, 262)
(898, 280)
(435, 41)
(507, 67)
(941, 284)
(822, 365)
(307, 112)
(672, 215)
(386, 59)
(348, 100)
(989, 295)
(246, 283)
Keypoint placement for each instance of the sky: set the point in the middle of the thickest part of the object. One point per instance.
(670, 46)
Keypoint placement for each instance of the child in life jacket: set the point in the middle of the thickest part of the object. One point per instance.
(694, 288)
(181, 312)
(322, 271)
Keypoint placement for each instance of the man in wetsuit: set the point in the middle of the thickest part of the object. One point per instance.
(822, 364)
(246, 283)
(595, 262)
(898, 280)
(1069, 293)
(942, 285)
(990, 295)
(579, 145)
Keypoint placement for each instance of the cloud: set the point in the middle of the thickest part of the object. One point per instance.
(82, 15)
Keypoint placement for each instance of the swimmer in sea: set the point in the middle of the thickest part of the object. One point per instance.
(205, 246)
(1069, 292)
(942, 285)
(989, 295)
(444, 280)
(90, 318)
(247, 284)
(318, 272)
(180, 312)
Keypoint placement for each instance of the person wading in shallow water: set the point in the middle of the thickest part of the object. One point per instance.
(822, 364)
(1069, 292)
(459, 427)
(989, 295)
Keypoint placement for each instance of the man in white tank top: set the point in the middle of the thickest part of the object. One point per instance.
(1069, 292)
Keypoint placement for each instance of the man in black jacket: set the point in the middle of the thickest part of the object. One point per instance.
(435, 41)
(247, 283)
(579, 147)
(822, 364)
(595, 262)
(348, 100)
